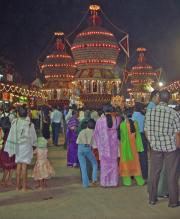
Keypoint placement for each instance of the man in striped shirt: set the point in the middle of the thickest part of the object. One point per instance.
(162, 128)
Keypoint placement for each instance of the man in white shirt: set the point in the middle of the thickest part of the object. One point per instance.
(56, 121)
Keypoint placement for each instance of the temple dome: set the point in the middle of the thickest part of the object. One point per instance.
(95, 47)
(58, 64)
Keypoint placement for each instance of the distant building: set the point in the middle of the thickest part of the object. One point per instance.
(174, 88)
(142, 77)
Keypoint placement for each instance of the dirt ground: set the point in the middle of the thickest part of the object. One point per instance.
(65, 198)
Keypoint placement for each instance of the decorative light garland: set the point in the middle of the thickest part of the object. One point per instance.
(22, 91)
(58, 56)
(173, 86)
(96, 61)
(141, 81)
(89, 45)
(60, 75)
(95, 33)
(142, 73)
(57, 65)
(141, 67)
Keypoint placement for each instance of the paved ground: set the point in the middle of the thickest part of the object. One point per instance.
(66, 199)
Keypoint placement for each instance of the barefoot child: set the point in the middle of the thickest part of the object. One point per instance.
(20, 142)
(42, 169)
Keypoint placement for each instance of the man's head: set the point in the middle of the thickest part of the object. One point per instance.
(164, 96)
(154, 96)
(75, 113)
(91, 124)
(87, 114)
(22, 111)
(107, 108)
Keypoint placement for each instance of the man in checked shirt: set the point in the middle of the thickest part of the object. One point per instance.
(162, 128)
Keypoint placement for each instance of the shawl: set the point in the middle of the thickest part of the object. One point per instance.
(73, 122)
(139, 144)
(106, 138)
(126, 152)
(21, 132)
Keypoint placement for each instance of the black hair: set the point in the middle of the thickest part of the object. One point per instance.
(132, 126)
(153, 93)
(91, 124)
(164, 96)
(100, 112)
(138, 107)
(128, 113)
(74, 107)
(84, 125)
(87, 114)
(22, 111)
(108, 109)
(109, 120)
(74, 112)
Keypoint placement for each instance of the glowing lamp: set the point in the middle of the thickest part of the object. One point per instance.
(161, 84)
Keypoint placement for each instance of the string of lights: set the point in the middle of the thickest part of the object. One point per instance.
(105, 45)
(96, 61)
(95, 33)
(175, 85)
(22, 91)
(57, 65)
(142, 73)
(58, 56)
(60, 75)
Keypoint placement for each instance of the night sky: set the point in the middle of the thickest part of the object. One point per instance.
(27, 27)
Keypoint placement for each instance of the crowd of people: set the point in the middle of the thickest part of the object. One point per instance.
(117, 142)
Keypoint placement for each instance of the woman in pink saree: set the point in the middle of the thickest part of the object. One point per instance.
(105, 136)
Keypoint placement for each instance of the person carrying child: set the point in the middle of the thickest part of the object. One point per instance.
(85, 141)
(42, 169)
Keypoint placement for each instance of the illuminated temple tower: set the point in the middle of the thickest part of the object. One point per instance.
(143, 78)
(95, 51)
(59, 70)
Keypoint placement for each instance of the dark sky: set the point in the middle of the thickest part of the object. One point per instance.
(27, 26)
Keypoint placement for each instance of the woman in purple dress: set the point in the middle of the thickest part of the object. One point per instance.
(106, 138)
(71, 135)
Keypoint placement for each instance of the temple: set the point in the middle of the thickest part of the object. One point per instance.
(59, 71)
(88, 75)
(95, 51)
(142, 77)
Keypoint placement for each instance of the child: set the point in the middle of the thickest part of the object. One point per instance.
(20, 142)
(42, 169)
(85, 141)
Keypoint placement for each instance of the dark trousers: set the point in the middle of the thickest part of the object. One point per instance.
(55, 132)
(143, 157)
(172, 162)
(36, 123)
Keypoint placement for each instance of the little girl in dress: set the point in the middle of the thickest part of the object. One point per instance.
(42, 169)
